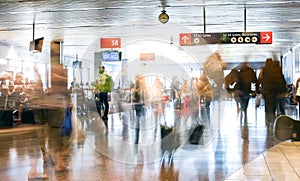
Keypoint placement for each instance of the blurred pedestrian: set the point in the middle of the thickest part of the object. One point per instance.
(103, 86)
(58, 102)
(271, 83)
(156, 98)
(297, 94)
(205, 94)
(281, 88)
(213, 68)
(175, 93)
(247, 80)
(37, 145)
(265, 85)
(232, 81)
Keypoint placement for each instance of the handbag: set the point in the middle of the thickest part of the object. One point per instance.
(66, 127)
(169, 140)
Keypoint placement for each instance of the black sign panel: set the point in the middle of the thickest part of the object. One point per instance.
(190, 39)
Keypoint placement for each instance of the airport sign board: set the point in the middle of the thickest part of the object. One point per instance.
(193, 39)
(110, 42)
(147, 56)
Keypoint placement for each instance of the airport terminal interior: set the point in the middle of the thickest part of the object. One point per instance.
(176, 112)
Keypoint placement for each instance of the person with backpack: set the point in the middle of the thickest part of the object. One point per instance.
(247, 80)
(103, 86)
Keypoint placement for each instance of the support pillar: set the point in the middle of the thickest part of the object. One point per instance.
(58, 74)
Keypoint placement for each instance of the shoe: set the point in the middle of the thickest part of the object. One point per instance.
(38, 176)
(106, 124)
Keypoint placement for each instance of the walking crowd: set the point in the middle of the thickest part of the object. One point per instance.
(243, 82)
(270, 85)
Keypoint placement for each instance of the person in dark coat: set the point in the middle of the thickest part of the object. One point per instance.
(232, 86)
(297, 95)
(281, 88)
(247, 80)
(271, 84)
(266, 88)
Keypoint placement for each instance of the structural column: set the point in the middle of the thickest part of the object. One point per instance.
(58, 74)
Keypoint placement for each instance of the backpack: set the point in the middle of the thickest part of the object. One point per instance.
(232, 81)
(247, 78)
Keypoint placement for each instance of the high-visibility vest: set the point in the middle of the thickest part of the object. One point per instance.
(104, 83)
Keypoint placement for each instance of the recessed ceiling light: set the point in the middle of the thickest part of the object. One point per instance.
(294, 20)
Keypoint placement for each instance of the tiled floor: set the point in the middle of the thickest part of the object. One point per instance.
(281, 162)
(231, 148)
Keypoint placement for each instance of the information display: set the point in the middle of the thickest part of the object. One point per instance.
(111, 56)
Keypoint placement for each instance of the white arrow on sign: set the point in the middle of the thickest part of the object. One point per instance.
(267, 37)
(185, 39)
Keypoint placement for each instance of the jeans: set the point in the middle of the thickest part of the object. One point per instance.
(270, 107)
(244, 100)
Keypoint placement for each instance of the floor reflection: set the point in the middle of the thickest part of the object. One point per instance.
(132, 149)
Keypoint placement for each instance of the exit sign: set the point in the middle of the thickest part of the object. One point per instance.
(110, 42)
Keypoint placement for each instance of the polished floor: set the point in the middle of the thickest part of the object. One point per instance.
(232, 147)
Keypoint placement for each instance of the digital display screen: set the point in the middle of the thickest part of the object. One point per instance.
(111, 56)
(36, 45)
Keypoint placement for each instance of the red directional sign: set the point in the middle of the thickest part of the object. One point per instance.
(266, 37)
(185, 39)
(110, 42)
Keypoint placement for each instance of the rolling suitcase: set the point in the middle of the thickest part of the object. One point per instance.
(196, 134)
(165, 130)
(287, 128)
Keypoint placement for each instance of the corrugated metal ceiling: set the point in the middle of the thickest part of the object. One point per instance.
(79, 23)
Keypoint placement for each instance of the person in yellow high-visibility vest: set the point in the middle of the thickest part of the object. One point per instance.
(102, 86)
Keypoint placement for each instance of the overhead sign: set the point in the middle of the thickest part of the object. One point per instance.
(192, 39)
(110, 42)
(266, 37)
(147, 56)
